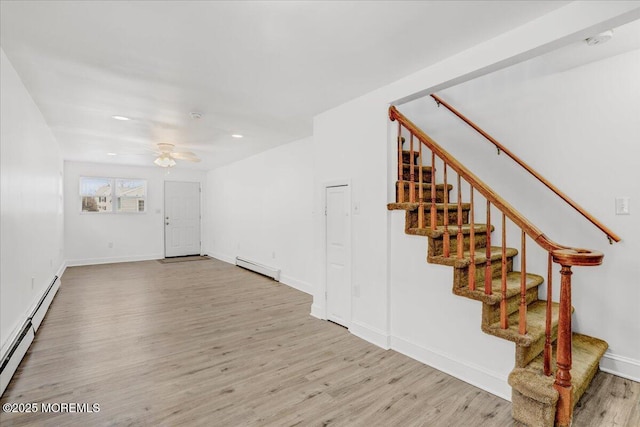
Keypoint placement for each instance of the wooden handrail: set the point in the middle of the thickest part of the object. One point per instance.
(610, 234)
(563, 255)
(569, 255)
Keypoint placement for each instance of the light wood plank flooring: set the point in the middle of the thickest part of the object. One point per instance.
(205, 343)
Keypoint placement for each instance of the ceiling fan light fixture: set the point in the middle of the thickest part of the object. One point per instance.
(165, 161)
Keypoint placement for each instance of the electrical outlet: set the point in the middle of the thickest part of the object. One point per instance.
(356, 291)
(33, 282)
(356, 208)
(110, 245)
(273, 254)
(622, 206)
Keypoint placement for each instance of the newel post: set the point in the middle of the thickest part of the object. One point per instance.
(567, 258)
(564, 411)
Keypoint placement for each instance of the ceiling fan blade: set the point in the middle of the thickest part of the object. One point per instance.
(165, 147)
(186, 155)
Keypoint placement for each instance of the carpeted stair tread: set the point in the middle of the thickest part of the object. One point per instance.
(586, 354)
(407, 206)
(513, 287)
(480, 257)
(426, 187)
(536, 314)
(407, 165)
(426, 172)
(408, 153)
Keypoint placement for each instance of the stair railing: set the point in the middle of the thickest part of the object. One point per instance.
(565, 256)
(613, 237)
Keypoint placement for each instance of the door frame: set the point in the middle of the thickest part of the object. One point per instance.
(336, 183)
(164, 211)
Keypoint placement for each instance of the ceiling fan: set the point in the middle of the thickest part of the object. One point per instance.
(167, 157)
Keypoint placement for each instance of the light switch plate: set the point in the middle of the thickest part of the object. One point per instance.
(622, 206)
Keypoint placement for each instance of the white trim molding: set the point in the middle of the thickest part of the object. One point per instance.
(112, 260)
(621, 366)
(468, 372)
(300, 285)
(369, 333)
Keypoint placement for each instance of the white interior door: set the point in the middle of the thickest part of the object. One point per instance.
(181, 218)
(338, 255)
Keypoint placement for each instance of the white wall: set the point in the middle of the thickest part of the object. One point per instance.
(395, 304)
(579, 128)
(134, 237)
(32, 209)
(260, 208)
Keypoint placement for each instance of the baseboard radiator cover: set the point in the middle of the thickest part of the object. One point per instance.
(265, 270)
(20, 344)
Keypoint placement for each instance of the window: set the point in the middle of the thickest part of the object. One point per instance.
(130, 195)
(97, 195)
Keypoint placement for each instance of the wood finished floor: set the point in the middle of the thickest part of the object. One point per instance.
(208, 344)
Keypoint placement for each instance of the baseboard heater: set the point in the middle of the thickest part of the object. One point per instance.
(258, 268)
(20, 344)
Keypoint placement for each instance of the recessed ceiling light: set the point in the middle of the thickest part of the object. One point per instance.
(112, 154)
(120, 118)
(195, 115)
(236, 135)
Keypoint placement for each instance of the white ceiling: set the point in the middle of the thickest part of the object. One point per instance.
(262, 69)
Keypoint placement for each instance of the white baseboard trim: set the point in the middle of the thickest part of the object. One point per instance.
(621, 366)
(112, 260)
(222, 257)
(16, 358)
(16, 347)
(38, 313)
(370, 334)
(317, 312)
(475, 375)
(300, 285)
(62, 269)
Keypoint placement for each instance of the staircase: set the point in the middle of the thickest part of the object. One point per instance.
(544, 388)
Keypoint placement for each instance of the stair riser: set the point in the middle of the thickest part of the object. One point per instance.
(531, 412)
(461, 275)
(491, 313)
(412, 218)
(426, 193)
(436, 246)
(406, 156)
(524, 355)
(426, 174)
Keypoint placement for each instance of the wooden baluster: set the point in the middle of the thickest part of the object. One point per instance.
(421, 190)
(446, 238)
(434, 212)
(563, 358)
(547, 332)
(412, 176)
(472, 245)
(504, 322)
(487, 269)
(400, 167)
(522, 320)
(460, 238)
